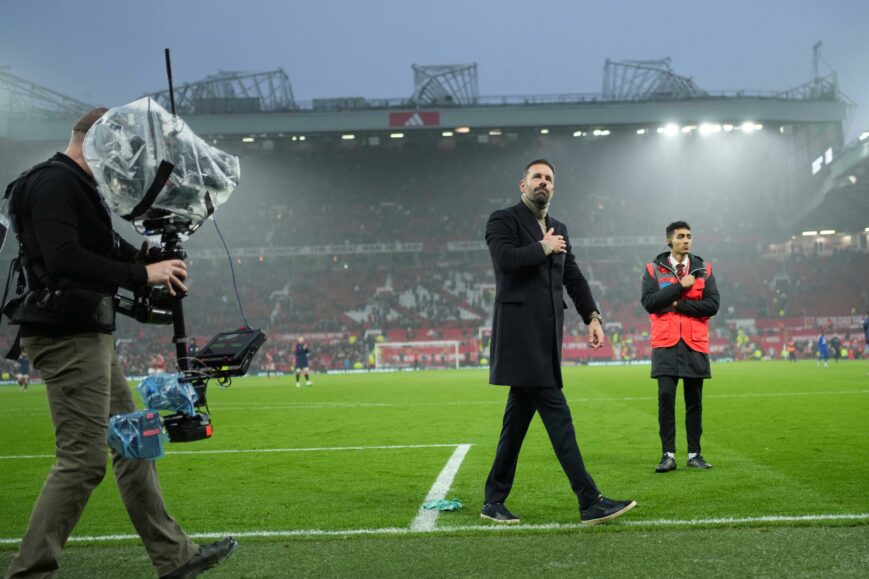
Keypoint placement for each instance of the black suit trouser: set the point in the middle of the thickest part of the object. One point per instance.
(693, 388)
(522, 403)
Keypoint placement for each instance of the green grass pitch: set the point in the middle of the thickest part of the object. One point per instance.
(327, 480)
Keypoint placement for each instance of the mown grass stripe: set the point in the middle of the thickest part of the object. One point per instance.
(267, 450)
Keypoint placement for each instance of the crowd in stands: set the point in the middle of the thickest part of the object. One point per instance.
(342, 301)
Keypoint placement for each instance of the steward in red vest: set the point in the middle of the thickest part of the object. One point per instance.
(690, 322)
(680, 294)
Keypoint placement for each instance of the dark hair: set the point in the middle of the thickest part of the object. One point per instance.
(87, 120)
(677, 225)
(537, 162)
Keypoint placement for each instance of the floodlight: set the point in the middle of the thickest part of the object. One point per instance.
(747, 127)
(827, 232)
(447, 134)
(641, 131)
(809, 233)
(396, 135)
(727, 127)
(670, 130)
(463, 130)
(544, 131)
(709, 128)
(864, 135)
(247, 139)
(348, 137)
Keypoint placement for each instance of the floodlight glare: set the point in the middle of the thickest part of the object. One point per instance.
(248, 140)
(864, 135)
(709, 128)
(495, 132)
(641, 131)
(447, 134)
(578, 133)
(747, 127)
(396, 135)
(828, 232)
(544, 131)
(688, 128)
(727, 127)
(809, 233)
(670, 130)
(463, 130)
(348, 137)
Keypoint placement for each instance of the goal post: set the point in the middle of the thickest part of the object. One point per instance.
(421, 354)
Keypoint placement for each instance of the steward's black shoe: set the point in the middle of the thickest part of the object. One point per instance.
(697, 462)
(604, 510)
(667, 464)
(498, 512)
(207, 557)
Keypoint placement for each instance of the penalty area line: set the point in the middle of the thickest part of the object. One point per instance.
(659, 523)
(426, 519)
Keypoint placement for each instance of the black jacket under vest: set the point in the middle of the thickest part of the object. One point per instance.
(529, 305)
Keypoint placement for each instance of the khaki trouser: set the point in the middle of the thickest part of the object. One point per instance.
(85, 385)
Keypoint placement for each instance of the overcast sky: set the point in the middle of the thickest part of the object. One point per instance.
(111, 52)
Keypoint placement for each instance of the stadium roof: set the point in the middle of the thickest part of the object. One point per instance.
(445, 97)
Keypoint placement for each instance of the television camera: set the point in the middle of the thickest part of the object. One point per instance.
(153, 171)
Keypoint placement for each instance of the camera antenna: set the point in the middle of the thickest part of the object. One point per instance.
(171, 243)
(169, 77)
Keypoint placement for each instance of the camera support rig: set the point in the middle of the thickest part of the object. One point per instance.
(227, 355)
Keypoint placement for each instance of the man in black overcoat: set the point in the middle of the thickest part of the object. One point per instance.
(533, 264)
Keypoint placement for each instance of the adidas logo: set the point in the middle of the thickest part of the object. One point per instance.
(414, 121)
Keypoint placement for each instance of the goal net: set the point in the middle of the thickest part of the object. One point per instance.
(431, 354)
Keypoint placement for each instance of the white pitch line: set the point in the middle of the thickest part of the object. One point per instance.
(481, 528)
(265, 450)
(426, 519)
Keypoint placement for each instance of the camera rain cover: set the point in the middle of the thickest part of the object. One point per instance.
(126, 148)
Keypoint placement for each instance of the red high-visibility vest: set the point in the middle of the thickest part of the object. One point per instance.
(669, 326)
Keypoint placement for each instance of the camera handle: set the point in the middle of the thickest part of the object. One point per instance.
(170, 248)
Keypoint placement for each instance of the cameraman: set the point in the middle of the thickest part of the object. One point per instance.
(74, 263)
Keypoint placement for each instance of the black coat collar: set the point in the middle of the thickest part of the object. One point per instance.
(529, 221)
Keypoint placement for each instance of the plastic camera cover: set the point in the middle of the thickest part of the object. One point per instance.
(126, 146)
